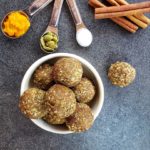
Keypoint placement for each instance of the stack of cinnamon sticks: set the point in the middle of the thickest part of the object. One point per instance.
(128, 16)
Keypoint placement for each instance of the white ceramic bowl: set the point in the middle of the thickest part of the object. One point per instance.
(89, 71)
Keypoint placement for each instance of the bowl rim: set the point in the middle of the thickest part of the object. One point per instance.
(43, 59)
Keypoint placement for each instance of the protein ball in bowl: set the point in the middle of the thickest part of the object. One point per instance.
(84, 91)
(60, 100)
(121, 74)
(31, 103)
(81, 120)
(42, 76)
(68, 71)
(52, 118)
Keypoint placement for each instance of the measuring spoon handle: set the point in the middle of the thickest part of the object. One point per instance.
(36, 6)
(56, 13)
(74, 11)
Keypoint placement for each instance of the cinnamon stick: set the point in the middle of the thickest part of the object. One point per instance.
(135, 6)
(141, 17)
(97, 3)
(120, 21)
(121, 13)
(132, 18)
(91, 4)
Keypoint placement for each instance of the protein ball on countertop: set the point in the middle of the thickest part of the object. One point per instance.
(42, 77)
(31, 103)
(68, 71)
(60, 100)
(52, 118)
(81, 120)
(121, 74)
(84, 91)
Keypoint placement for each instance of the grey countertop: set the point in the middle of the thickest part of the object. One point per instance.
(124, 122)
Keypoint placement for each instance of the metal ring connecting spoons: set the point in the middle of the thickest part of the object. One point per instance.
(27, 14)
(49, 40)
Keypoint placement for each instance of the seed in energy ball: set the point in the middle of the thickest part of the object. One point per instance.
(68, 71)
(81, 120)
(52, 118)
(42, 77)
(121, 74)
(60, 100)
(84, 91)
(31, 103)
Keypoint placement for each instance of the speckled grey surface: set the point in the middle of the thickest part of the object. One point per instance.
(124, 122)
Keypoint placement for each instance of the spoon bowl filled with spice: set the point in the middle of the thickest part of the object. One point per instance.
(84, 36)
(49, 40)
(15, 24)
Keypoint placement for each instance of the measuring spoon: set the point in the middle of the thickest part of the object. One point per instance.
(83, 35)
(49, 40)
(35, 7)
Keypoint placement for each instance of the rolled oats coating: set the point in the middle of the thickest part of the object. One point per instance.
(84, 91)
(60, 100)
(52, 118)
(68, 71)
(121, 74)
(81, 120)
(31, 103)
(42, 77)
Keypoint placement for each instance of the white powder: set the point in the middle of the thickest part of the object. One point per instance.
(84, 37)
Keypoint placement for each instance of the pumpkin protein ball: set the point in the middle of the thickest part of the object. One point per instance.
(60, 100)
(52, 118)
(68, 71)
(81, 120)
(121, 74)
(31, 103)
(42, 77)
(84, 91)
